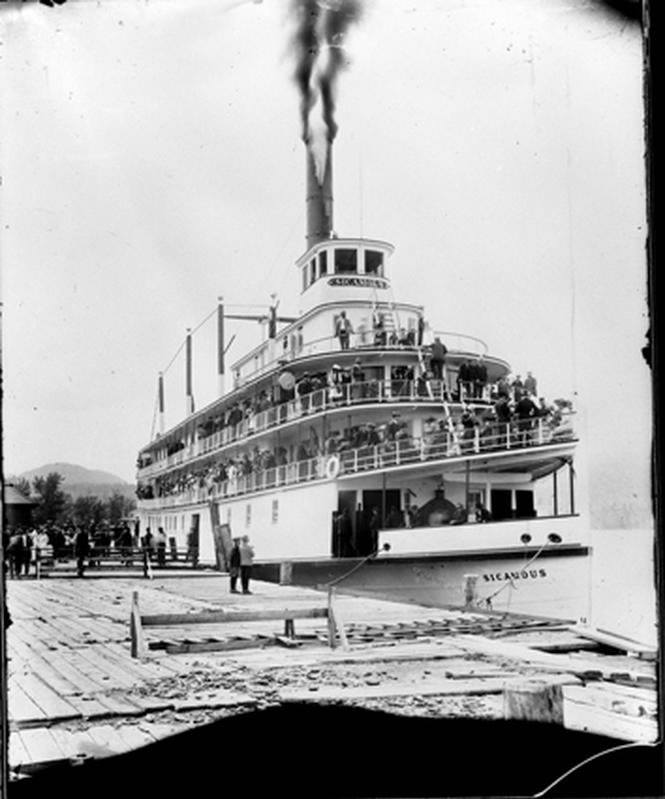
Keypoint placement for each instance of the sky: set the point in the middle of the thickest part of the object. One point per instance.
(151, 161)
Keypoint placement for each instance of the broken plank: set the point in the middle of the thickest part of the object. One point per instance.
(217, 646)
(614, 640)
(221, 698)
(544, 660)
(480, 686)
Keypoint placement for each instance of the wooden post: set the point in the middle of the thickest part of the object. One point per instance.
(331, 621)
(335, 624)
(138, 647)
(571, 478)
(533, 702)
(555, 495)
(285, 572)
(470, 590)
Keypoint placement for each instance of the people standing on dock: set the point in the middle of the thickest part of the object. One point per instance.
(15, 554)
(343, 330)
(160, 540)
(234, 565)
(81, 549)
(246, 563)
(26, 550)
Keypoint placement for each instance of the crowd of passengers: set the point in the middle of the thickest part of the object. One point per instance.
(490, 426)
(25, 544)
(314, 390)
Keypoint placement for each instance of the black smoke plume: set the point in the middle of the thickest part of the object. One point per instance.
(321, 26)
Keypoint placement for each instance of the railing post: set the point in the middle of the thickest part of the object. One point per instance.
(376, 456)
(507, 435)
(476, 440)
(397, 452)
(540, 430)
(355, 460)
(422, 448)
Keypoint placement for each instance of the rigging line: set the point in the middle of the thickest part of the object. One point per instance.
(177, 352)
(193, 330)
(510, 582)
(577, 766)
(200, 324)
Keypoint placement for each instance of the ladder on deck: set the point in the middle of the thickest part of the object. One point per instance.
(446, 409)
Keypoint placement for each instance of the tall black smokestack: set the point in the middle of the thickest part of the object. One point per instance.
(319, 199)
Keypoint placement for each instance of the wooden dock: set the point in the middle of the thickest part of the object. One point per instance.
(75, 691)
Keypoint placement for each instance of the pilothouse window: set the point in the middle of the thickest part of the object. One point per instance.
(373, 262)
(346, 261)
(323, 262)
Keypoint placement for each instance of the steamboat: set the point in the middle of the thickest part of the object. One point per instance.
(358, 435)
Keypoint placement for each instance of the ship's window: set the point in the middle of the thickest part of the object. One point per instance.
(304, 278)
(300, 339)
(248, 515)
(312, 271)
(373, 262)
(228, 515)
(346, 261)
(323, 262)
(275, 510)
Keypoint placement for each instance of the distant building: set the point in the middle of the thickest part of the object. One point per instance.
(18, 508)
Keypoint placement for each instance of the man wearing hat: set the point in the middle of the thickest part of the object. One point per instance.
(234, 565)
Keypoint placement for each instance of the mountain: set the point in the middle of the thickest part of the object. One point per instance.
(74, 474)
(81, 482)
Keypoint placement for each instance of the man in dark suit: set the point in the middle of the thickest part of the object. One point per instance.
(234, 565)
(438, 358)
(343, 330)
(81, 549)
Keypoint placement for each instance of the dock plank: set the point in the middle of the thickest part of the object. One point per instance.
(21, 708)
(107, 738)
(18, 754)
(53, 706)
(41, 746)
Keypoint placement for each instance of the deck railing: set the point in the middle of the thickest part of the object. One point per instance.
(435, 446)
(363, 338)
(323, 399)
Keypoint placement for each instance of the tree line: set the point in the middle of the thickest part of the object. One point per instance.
(56, 506)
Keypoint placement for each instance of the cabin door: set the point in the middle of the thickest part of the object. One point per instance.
(502, 507)
(193, 540)
(343, 527)
(524, 508)
(375, 499)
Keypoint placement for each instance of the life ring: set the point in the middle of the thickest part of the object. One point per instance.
(332, 467)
